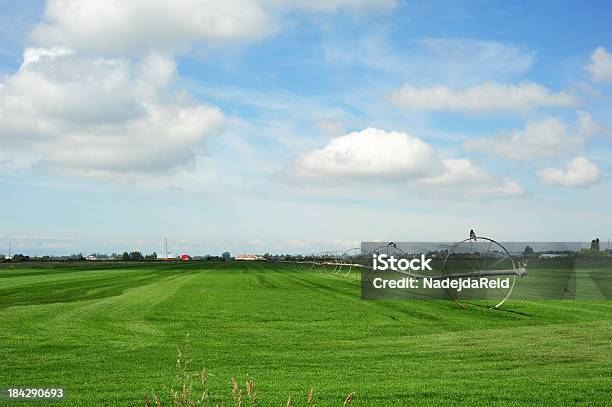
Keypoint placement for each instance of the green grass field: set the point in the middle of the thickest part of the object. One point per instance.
(110, 333)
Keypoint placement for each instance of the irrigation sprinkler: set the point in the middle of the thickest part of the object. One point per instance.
(350, 261)
(473, 257)
(328, 262)
(482, 257)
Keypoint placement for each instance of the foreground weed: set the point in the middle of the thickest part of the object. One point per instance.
(190, 389)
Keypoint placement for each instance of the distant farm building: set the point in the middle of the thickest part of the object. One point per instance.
(166, 257)
(552, 255)
(185, 257)
(246, 257)
(249, 257)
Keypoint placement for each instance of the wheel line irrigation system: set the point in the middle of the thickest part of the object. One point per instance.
(494, 262)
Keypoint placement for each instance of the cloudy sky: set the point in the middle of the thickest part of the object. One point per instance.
(273, 125)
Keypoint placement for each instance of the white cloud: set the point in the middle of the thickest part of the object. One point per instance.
(486, 97)
(600, 65)
(34, 55)
(99, 97)
(578, 173)
(459, 171)
(123, 27)
(115, 26)
(540, 139)
(374, 156)
(370, 153)
(101, 116)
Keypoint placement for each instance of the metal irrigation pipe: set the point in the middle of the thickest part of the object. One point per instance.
(521, 271)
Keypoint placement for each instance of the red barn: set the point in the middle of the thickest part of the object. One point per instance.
(185, 257)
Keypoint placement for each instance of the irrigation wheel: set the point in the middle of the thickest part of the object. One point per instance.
(478, 255)
(390, 249)
(352, 261)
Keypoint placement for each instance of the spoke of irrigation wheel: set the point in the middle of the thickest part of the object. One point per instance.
(484, 260)
(484, 264)
(488, 299)
(354, 258)
(337, 265)
(500, 291)
(346, 261)
(505, 256)
(334, 264)
(469, 259)
(313, 265)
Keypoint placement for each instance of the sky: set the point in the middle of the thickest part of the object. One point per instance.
(291, 126)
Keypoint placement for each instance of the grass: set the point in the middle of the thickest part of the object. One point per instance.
(110, 333)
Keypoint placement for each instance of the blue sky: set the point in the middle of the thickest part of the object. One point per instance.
(266, 125)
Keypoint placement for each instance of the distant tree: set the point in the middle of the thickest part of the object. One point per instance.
(152, 256)
(595, 245)
(528, 251)
(125, 256)
(76, 256)
(136, 256)
(20, 257)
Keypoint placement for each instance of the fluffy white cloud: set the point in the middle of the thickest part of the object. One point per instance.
(98, 98)
(486, 97)
(371, 153)
(101, 116)
(579, 173)
(540, 139)
(600, 65)
(376, 156)
(117, 26)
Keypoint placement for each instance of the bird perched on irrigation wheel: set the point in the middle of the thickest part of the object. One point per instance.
(472, 235)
